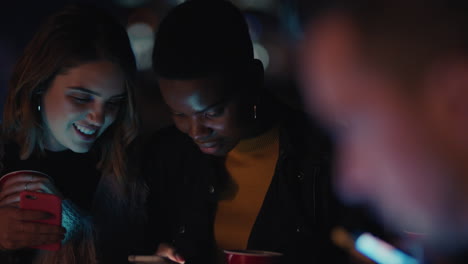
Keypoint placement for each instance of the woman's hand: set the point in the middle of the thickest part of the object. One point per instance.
(17, 232)
(11, 188)
(167, 253)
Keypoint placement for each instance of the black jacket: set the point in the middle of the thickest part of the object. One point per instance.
(295, 218)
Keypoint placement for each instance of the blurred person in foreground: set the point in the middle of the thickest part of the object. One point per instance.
(390, 79)
(70, 114)
(236, 171)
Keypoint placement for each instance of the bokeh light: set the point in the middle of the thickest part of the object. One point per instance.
(141, 37)
(131, 3)
(261, 53)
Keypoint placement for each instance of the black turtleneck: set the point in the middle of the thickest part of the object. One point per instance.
(75, 174)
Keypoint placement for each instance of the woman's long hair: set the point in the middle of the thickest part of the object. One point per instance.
(77, 35)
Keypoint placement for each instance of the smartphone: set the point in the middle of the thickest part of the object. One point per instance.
(381, 252)
(45, 202)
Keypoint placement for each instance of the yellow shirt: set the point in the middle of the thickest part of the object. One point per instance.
(251, 166)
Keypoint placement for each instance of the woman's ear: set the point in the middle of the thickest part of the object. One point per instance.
(257, 67)
(37, 97)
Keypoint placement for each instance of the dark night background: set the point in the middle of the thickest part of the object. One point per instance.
(274, 24)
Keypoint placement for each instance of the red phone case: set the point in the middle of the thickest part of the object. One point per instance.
(44, 202)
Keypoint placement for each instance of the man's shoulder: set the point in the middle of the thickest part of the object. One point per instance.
(304, 133)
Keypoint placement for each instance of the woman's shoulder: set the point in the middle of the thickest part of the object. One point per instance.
(7, 145)
(9, 155)
(9, 148)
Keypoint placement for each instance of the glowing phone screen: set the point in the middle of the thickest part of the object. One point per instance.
(382, 252)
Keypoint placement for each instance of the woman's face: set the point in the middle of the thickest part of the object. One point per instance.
(80, 104)
(207, 111)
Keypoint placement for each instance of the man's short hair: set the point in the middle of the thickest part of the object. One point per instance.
(202, 37)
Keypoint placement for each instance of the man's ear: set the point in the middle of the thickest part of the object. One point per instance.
(257, 71)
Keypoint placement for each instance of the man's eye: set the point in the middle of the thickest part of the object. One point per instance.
(214, 113)
(177, 114)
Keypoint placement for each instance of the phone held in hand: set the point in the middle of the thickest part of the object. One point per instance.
(151, 259)
(45, 202)
(381, 251)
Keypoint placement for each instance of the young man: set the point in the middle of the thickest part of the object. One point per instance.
(237, 171)
(390, 78)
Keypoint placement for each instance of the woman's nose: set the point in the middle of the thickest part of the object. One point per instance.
(96, 116)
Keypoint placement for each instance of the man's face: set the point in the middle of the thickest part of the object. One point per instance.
(208, 111)
(389, 145)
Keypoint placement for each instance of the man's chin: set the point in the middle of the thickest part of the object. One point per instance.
(215, 151)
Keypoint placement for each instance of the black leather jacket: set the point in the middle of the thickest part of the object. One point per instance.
(295, 218)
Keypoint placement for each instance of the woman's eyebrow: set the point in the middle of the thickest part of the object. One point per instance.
(82, 89)
(119, 96)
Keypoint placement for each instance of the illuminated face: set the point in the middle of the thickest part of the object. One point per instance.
(206, 110)
(389, 145)
(80, 104)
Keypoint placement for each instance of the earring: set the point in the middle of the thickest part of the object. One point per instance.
(39, 108)
(255, 111)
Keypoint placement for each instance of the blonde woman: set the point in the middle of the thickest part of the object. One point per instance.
(70, 115)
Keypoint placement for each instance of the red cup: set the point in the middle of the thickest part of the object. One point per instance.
(13, 173)
(252, 257)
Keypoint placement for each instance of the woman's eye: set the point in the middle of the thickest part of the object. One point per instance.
(113, 104)
(81, 99)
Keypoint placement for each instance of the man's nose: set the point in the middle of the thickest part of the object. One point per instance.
(198, 130)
